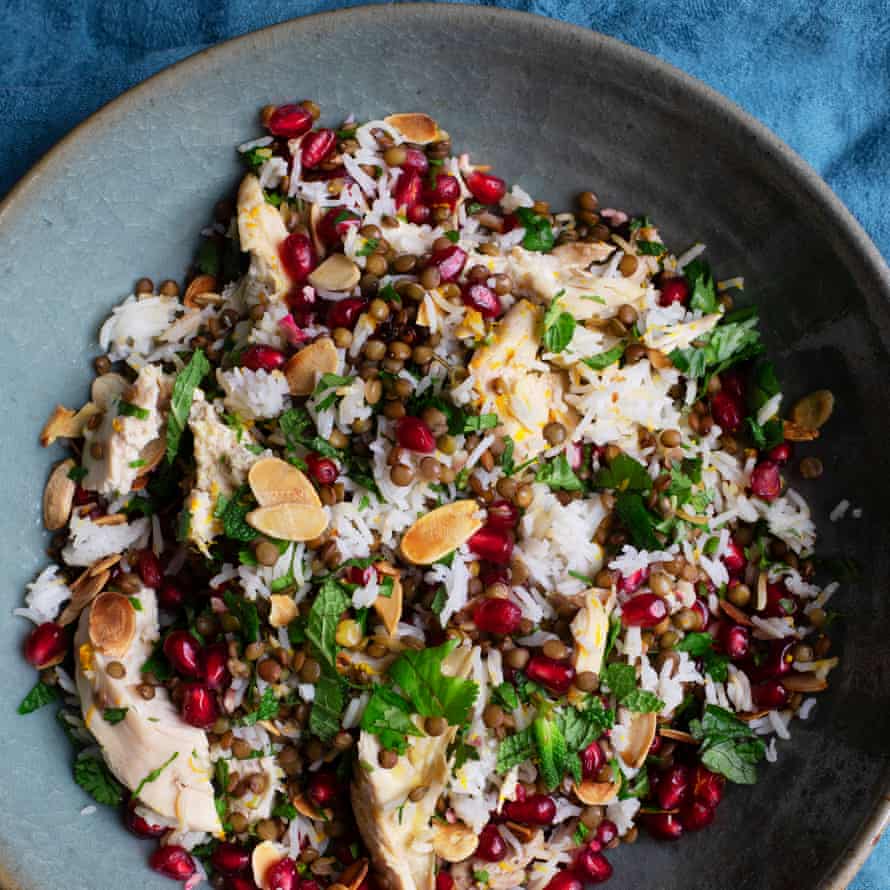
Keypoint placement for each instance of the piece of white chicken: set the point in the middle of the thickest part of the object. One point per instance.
(590, 629)
(151, 733)
(261, 231)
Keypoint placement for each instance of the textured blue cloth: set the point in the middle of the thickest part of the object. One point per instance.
(818, 74)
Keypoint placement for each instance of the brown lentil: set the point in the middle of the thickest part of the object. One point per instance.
(144, 286)
(517, 658)
(387, 759)
(269, 670)
(310, 672)
(435, 726)
(587, 681)
(267, 830)
(116, 670)
(555, 649)
(493, 716)
(627, 267)
(739, 595)
(169, 288)
(555, 433)
(811, 468)
(401, 475)
(241, 749)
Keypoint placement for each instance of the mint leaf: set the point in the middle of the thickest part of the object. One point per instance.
(246, 613)
(388, 716)
(266, 710)
(558, 474)
(476, 423)
(703, 294)
(559, 327)
(515, 749)
(728, 746)
(726, 345)
(538, 231)
(330, 603)
(621, 679)
(637, 520)
(604, 359)
(552, 751)
(40, 695)
(650, 248)
(696, 644)
(642, 702)
(187, 381)
(96, 779)
(327, 706)
(623, 474)
(232, 512)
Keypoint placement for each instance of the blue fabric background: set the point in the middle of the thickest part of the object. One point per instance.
(817, 73)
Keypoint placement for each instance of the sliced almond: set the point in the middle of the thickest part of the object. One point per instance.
(640, 735)
(303, 368)
(107, 387)
(454, 842)
(64, 423)
(202, 284)
(440, 531)
(525, 833)
(101, 565)
(112, 624)
(58, 496)
(762, 581)
(677, 735)
(735, 613)
(354, 874)
(275, 481)
(283, 610)
(805, 682)
(415, 127)
(305, 808)
(83, 592)
(794, 432)
(597, 794)
(389, 608)
(111, 519)
(151, 455)
(315, 215)
(264, 856)
(336, 273)
(752, 715)
(813, 410)
(289, 522)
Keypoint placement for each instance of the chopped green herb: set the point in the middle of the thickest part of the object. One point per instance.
(558, 474)
(136, 603)
(155, 774)
(728, 746)
(538, 231)
(76, 474)
(40, 695)
(642, 702)
(114, 715)
(330, 603)
(515, 749)
(265, 710)
(368, 247)
(96, 779)
(477, 423)
(701, 287)
(452, 236)
(232, 511)
(624, 474)
(327, 706)
(632, 511)
(388, 716)
(187, 381)
(650, 248)
(559, 326)
(724, 346)
(604, 359)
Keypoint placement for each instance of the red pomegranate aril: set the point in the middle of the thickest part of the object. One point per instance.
(704, 613)
(450, 262)
(492, 847)
(728, 411)
(334, 226)
(297, 256)
(665, 826)
(673, 787)
(237, 882)
(555, 675)
(565, 880)
(416, 160)
(633, 581)
(149, 568)
(536, 809)
(775, 663)
(46, 644)
(444, 881)
(358, 575)
(289, 121)
(644, 610)
(263, 358)
(606, 832)
(492, 544)
(734, 383)
(502, 514)
(497, 616)
(316, 146)
(170, 595)
(656, 744)
(780, 602)
(183, 651)
(781, 453)
(216, 666)
(173, 862)
(141, 827)
(770, 694)
(345, 313)
(282, 875)
(736, 641)
(673, 290)
(199, 707)
(445, 191)
(696, 816)
(230, 858)
(482, 298)
(323, 788)
(407, 189)
(418, 214)
(766, 480)
(486, 188)
(81, 496)
(412, 433)
(592, 760)
(593, 865)
(734, 558)
(707, 787)
(322, 469)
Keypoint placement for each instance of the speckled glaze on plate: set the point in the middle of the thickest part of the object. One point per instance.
(560, 109)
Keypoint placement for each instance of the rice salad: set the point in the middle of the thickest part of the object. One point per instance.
(425, 538)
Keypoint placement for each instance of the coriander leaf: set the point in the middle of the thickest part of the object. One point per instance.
(642, 702)
(246, 613)
(187, 381)
(232, 512)
(763, 385)
(39, 696)
(639, 222)
(155, 774)
(621, 679)
(577, 729)
(96, 779)
(623, 474)
(638, 786)
(604, 359)
(559, 327)
(538, 231)
(701, 287)
(558, 474)
(327, 706)
(157, 665)
(768, 435)
(552, 751)
(728, 746)
(476, 423)
(696, 644)
(515, 749)
(650, 248)
(266, 710)
(114, 715)
(637, 519)
(726, 345)
(452, 236)
(505, 694)
(388, 716)
(77, 474)
(284, 809)
(330, 603)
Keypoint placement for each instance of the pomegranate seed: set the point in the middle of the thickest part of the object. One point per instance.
(297, 256)
(323, 788)
(236, 882)
(46, 644)
(593, 865)
(575, 454)
(486, 189)
(497, 616)
(502, 515)
(230, 858)
(139, 826)
(290, 121)
(555, 675)
(776, 662)
(345, 313)
(199, 707)
(492, 847)
(492, 544)
(780, 602)
(450, 262)
(736, 641)
(149, 568)
(283, 876)
(781, 453)
(418, 214)
(263, 358)
(81, 496)
(173, 862)
(665, 826)
(593, 759)
(170, 595)
(696, 816)
(644, 610)
(537, 809)
(656, 744)
(445, 191)
(733, 383)
(358, 575)
(674, 787)
(770, 694)
(673, 290)
(734, 558)
(322, 469)
(407, 190)
(183, 651)
(766, 481)
(415, 159)
(707, 787)
(444, 881)
(482, 298)
(565, 880)
(704, 613)
(412, 433)
(216, 666)
(606, 832)
(316, 147)
(334, 226)
(633, 581)
(728, 411)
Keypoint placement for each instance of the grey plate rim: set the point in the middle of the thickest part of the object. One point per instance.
(858, 251)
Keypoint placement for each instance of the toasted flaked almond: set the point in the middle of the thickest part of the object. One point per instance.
(525, 833)
(389, 608)
(107, 387)
(677, 735)
(112, 624)
(748, 716)
(415, 127)
(283, 610)
(315, 215)
(354, 874)
(264, 856)
(111, 519)
(202, 284)
(805, 682)
(64, 423)
(596, 794)
(289, 522)
(735, 613)
(762, 580)
(302, 368)
(794, 432)
(151, 455)
(640, 735)
(440, 531)
(83, 592)
(454, 842)
(58, 496)
(813, 410)
(101, 565)
(305, 807)
(337, 273)
(275, 481)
